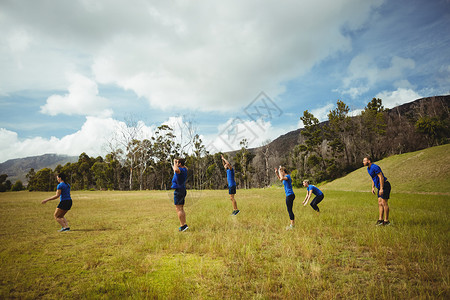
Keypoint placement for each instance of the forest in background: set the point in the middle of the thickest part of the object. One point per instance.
(320, 152)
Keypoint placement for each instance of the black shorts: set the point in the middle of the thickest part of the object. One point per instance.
(232, 190)
(65, 204)
(386, 191)
(179, 196)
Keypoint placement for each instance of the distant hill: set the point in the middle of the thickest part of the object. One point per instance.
(420, 171)
(16, 169)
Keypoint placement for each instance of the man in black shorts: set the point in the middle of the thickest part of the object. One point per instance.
(231, 184)
(179, 195)
(384, 190)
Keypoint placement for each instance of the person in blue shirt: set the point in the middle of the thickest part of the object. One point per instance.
(380, 182)
(231, 184)
(311, 189)
(65, 202)
(179, 195)
(283, 175)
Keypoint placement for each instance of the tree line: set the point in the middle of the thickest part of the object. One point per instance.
(324, 151)
(331, 149)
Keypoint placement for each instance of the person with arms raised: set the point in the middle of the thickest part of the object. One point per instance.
(179, 194)
(231, 184)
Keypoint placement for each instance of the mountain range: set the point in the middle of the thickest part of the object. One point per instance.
(18, 168)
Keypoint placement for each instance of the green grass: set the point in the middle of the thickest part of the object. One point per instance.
(126, 245)
(415, 172)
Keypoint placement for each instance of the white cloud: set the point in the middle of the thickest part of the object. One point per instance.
(321, 113)
(364, 73)
(231, 133)
(355, 112)
(91, 138)
(95, 138)
(82, 99)
(400, 96)
(198, 55)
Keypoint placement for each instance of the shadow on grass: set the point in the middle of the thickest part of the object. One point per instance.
(93, 229)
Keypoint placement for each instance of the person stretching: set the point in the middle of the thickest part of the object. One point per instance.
(290, 196)
(380, 182)
(65, 202)
(311, 189)
(231, 184)
(179, 195)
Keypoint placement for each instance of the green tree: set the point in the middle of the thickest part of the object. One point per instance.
(297, 158)
(31, 178)
(198, 163)
(114, 170)
(99, 169)
(3, 187)
(164, 151)
(45, 180)
(373, 128)
(313, 135)
(17, 186)
(215, 172)
(8, 184)
(433, 128)
(84, 165)
(243, 160)
(337, 132)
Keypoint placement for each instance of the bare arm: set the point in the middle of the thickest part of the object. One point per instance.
(281, 176)
(373, 187)
(276, 173)
(58, 193)
(226, 163)
(381, 177)
(308, 196)
(175, 166)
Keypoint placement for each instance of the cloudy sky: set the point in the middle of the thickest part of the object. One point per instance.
(73, 72)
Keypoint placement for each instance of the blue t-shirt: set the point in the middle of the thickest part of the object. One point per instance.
(65, 191)
(230, 177)
(179, 180)
(288, 186)
(314, 189)
(373, 171)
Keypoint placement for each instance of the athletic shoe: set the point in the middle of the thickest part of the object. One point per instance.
(386, 223)
(64, 229)
(183, 228)
(379, 222)
(235, 212)
(290, 227)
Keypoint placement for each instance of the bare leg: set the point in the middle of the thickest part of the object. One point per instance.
(181, 214)
(380, 208)
(385, 209)
(233, 201)
(59, 217)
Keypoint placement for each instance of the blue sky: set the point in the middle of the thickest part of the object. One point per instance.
(72, 72)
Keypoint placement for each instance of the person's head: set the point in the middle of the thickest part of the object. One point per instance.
(61, 177)
(367, 161)
(305, 182)
(181, 161)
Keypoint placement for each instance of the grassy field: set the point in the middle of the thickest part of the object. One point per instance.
(126, 244)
